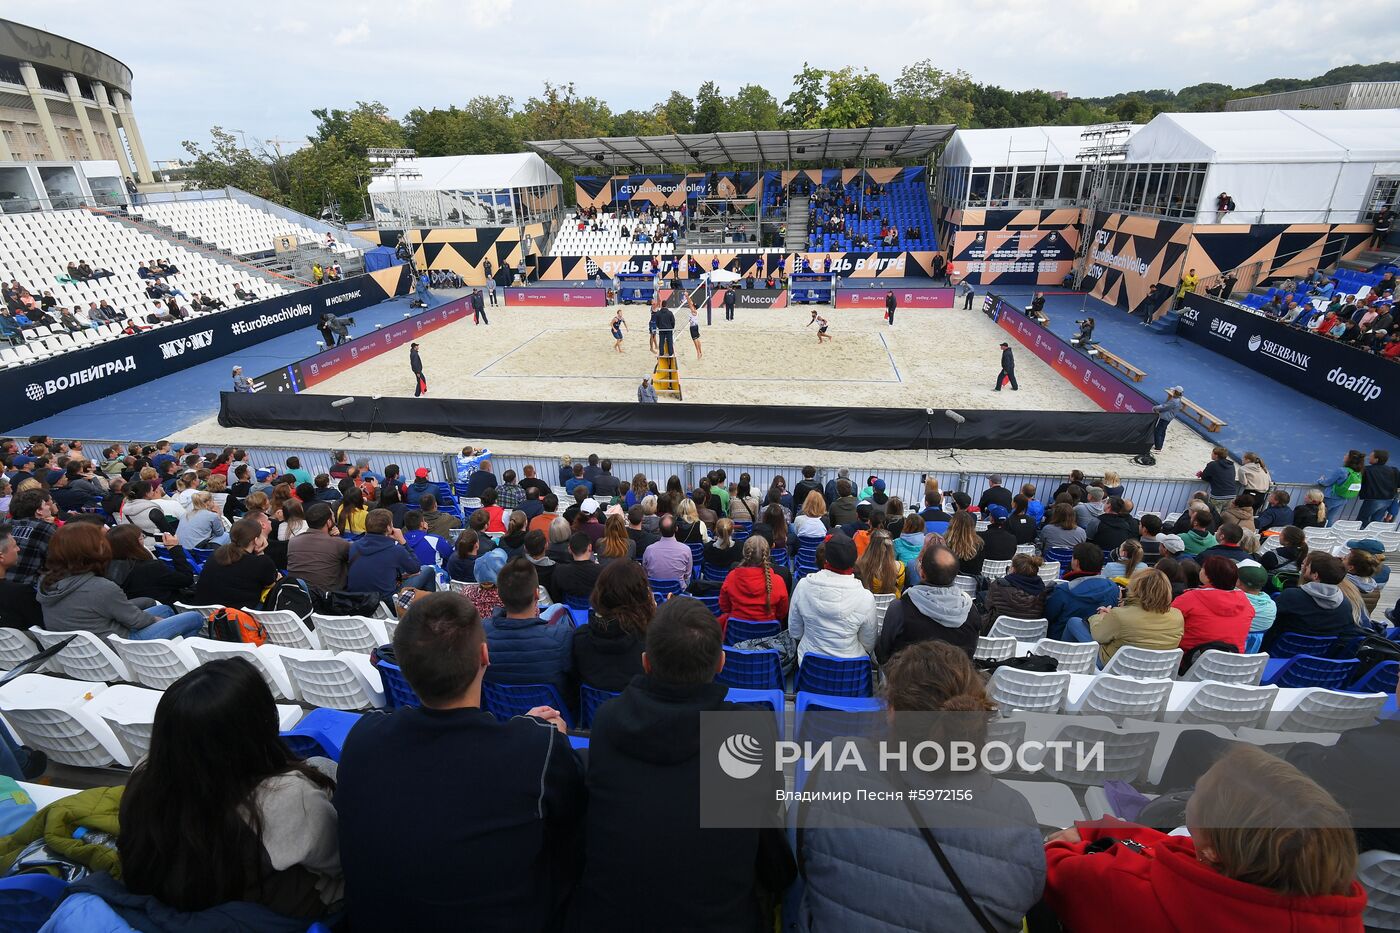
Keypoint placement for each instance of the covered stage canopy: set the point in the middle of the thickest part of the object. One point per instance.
(1020, 145)
(841, 146)
(468, 173)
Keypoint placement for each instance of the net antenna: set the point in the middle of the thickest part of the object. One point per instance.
(1101, 146)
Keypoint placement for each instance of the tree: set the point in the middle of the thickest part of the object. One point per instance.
(326, 174)
(753, 108)
(680, 113)
(803, 107)
(486, 124)
(924, 93)
(711, 112)
(368, 126)
(227, 163)
(855, 98)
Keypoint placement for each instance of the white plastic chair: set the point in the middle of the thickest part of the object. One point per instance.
(1122, 697)
(1227, 667)
(1321, 710)
(882, 605)
(129, 712)
(51, 714)
(1230, 705)
(1126, 756)
(1144, 663)
(15, 648)
(350, 633)
(1019, 629)
(335, 681)
(965, 583)
(156, 663)
(1379, 874)
(286, 629)
(1035, 691)
(1073, 657)
(86, 657)
(1050, 571)
(266, 658)
(995, 569)
(991, 648)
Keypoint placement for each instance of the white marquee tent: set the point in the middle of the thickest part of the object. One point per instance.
(469, 190)
(1280, 166)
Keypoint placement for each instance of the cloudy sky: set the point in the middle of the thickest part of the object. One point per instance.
(262, 67)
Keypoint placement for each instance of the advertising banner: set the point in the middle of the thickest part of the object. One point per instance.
(307, 372)
(1096, 381)
(904, 298)
(37, 390)
(1342, 376)
(754, 298)
(577, 297)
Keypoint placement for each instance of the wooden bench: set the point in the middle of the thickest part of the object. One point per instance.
(1205, 419)
(1120, 364)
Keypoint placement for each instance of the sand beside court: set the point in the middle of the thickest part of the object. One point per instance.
(930, 359)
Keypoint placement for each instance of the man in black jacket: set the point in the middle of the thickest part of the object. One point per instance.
(646, 856)
(415, 362)
(890, 305)
(1116, 525)
(729, 299)
(479, 306)
(1008, 368)
(933, 610)
(505, 855)
(996, 494)
(805, 486)
(577, 577)
(1317, 605)
(665, 329)
(1379, 481)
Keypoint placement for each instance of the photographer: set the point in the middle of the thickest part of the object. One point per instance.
(1036, 310)
(337, 328)
(1085, 337)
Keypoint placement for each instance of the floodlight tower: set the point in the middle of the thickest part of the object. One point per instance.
(1102, 145)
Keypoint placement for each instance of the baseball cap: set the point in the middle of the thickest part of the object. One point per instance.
(840, 552)
(1172, 544)
(878, 485)
(488, 565)
(1370, 545)
(997, 512)
(1253, 575)
(1175, 389)
(413, 344)
(1005, 344)
(421, 472)
(263, 475)
(588, 506)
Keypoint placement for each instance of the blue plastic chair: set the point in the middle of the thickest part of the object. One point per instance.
(779, 557)
(711, 603)
(577, 742)
(842, 677)
(26, 901)
(742, 530)
(815, 702)
(773, 699)
(737, 630)
(1306, 670)
(578, 602)
(752, 670)
(590, 698)
(662, 589)
(714, 574)
(1063, 555)
(199, 556)
(506, 700)
(1291, 644)
(1253, 642)
(1380, 679)
(320, 732)
(397, 692)
(580, 617)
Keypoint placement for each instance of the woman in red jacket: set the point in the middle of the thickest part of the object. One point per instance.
(752, 591)
(1269, 850)
(1216, 611)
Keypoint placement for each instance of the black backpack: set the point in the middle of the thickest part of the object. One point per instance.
(291, 595)
(1040, 663)
(1373, 650)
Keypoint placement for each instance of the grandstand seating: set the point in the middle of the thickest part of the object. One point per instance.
(36, 248)
(902, 204)
(233, 226)
(571, 241)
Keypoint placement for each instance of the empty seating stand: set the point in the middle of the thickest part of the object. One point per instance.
(233, 226)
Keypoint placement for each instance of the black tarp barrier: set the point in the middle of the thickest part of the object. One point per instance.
(819, 427)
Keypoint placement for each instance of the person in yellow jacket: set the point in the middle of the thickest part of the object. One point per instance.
(1186, 286)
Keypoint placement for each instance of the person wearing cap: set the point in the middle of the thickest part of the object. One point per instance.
(831, 613)
(890, 305)
(1166, 413)
(1253, 579)
(415, 363)
(1008, 368)
(419, 487)
(241, 383)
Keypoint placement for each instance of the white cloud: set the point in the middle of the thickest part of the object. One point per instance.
(352, 35)
(263, 66)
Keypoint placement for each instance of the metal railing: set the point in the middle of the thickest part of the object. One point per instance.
(1164, 495)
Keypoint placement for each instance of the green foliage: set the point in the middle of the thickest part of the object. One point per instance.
(333, 169)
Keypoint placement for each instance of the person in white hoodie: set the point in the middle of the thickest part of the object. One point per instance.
(831, 613)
